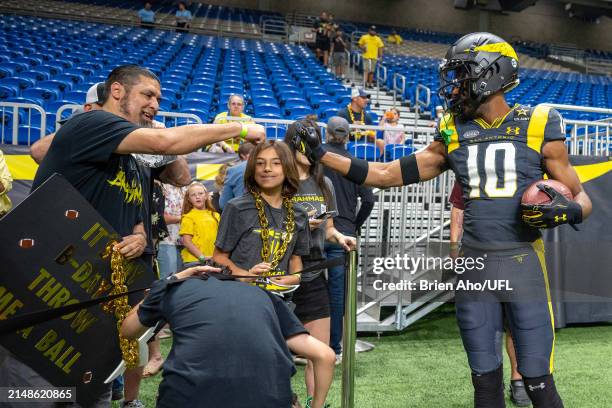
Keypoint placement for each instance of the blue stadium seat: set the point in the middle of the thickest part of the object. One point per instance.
(396, 151)
(365, 151)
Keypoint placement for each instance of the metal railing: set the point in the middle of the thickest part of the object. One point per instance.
(274, 27)
(380, 68)
(402, 89)
(196, 27)
(418, 103)
(588, 137)
(598, 66)
(24, 126)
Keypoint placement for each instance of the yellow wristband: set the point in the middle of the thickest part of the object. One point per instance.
(244, 130)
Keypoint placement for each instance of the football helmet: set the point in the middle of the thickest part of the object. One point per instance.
(476, 66)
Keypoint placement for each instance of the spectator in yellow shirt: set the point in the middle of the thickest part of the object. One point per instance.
(372, 46)
(395, 38)
(235, 108)
(6, 183)
(199, 225)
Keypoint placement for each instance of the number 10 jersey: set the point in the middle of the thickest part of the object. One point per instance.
(495, 163)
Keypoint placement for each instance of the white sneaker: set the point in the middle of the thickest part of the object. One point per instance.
(338, 359)
(299, 360)
(133, 404)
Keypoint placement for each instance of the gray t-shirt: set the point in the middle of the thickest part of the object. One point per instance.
(310, 197)
(239, 232)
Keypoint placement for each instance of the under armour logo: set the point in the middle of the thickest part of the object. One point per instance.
(563, 217)
(541, 386)
(513, 130)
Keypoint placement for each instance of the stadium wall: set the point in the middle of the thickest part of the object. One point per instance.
(546, 22)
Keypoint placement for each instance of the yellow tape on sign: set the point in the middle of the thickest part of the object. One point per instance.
(22, 167)
(205, 171)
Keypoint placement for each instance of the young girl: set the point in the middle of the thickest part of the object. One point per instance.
(263, 233)
(316, 195)
(394, 132)
(199, 225)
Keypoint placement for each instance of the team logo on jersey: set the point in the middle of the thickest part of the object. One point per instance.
(513, 130)
(470, 134)
(522, 111)
(521, 114)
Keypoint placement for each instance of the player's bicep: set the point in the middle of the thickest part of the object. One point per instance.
(558, 167)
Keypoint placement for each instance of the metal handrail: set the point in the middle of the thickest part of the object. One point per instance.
(418, 102)
(379, 68)
(403, 88)
(15, 106)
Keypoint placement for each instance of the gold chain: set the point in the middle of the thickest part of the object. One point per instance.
(265, 230)
(352, 116)
(120, 306)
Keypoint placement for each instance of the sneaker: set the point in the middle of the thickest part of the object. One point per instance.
(309, 403)
(518, 393)
(338, 359)
(299, 360)
(117, 394)
(133, 404)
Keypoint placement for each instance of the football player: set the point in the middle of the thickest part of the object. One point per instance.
(496, 152)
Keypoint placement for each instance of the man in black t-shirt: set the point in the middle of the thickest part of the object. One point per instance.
(227, 353)
(93, 151)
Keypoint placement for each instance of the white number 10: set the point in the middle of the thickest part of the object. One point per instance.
(491, 179)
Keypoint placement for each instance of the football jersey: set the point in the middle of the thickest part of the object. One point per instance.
(495, 164)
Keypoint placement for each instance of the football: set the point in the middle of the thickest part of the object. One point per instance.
(533, 195)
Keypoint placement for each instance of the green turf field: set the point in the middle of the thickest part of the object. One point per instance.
(425, 366)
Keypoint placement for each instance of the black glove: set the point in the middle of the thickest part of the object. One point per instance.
(307, 142)
(559, 211)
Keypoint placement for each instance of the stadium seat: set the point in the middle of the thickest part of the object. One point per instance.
(365, 151)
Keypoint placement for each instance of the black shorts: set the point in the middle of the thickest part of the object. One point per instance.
(323, 44)
(312, 300)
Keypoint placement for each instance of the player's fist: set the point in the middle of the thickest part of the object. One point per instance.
(255, 133)
(558, 211)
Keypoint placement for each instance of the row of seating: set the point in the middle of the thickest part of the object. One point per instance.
(537, 86)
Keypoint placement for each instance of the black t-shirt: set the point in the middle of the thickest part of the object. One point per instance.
(228, 347)
(339, 43)
(240, 232)
(83, 152)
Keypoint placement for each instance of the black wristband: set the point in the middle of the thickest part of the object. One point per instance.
(319, 152)
(358, 172)
(410, 170)
(575, 213)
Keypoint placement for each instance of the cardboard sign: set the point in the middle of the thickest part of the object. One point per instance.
(51, 249)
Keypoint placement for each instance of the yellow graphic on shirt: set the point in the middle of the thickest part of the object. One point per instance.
(132, 190)
(276, 238)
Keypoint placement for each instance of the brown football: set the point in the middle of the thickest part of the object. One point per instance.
(533, 195)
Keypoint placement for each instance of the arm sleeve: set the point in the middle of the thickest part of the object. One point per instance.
(456, 197)
(150, 311)
(187, 225)
(361, 41)
(289, 323)
(367, 204)
(555, 127)
(100, 134)
(381, 44)
(228, 234)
